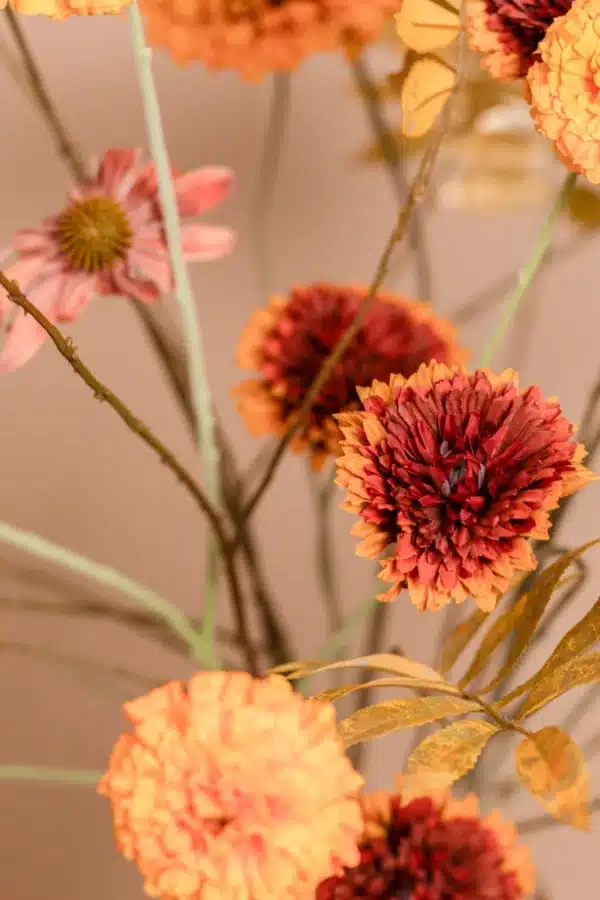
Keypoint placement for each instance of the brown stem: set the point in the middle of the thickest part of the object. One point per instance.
(65, 146)
(377, 627)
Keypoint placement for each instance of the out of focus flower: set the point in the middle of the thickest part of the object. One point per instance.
(563, 88)
(434, 848)
(234, 788)
(108, 239)
(508, 32)
(62, 9)
(288, 342)
(455, 472)
(256, 37)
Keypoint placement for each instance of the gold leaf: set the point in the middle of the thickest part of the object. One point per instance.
(583, 206)
(572, 674)
(286, 668)
(580, 638)
(498, 632)
(459, 637)
(553, 769)
(444, 757)
(386, 662)
(426, 89)
(425, 25)
(392, 715)
(332, 694)
(531, 611)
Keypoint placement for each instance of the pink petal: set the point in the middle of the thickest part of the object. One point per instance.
(25, 336)
(30, 240)
(114, 166)
(202, 189)
(133, 287)
(74, 294)
(205, 242)
(25, 270)
(149, 260)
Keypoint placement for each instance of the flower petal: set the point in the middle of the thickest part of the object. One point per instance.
(74, 294)
(25, 336)
(206, 242)
(114, 166)
(203, 189)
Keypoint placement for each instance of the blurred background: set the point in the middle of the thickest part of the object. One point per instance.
(73, 473)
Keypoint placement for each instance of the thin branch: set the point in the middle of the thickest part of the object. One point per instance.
(377, 628)
(323, 493)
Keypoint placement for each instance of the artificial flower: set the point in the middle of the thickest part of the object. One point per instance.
(108, 239)
(288, 342)
(563, 88)
(508, 32)
(62, 9)
(233, 789)
(455, 472)
(434, 848)
(256, 37)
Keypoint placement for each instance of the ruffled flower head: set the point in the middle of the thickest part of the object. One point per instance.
(234, 788)
(434, 848)
(288, 342)
(108, 239)
(564, 88)
(256, 37)
(508, 32)
(455, 472)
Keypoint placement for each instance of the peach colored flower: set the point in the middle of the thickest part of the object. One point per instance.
(256, 37)
(61, 9)
(234, 789)
(434, 848)
(563, 88)
(455, 472)
(288, 342)
(108, 239)
(508, 32)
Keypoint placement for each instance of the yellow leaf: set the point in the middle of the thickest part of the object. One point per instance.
(332, 694)
(286, 668)
(580, 638)
(572, 674)
(444, 757)
(531, 611)
(425, 25)
(426, 89)
(499, 631)
(386, 662)
(392, 715)
(553, 769)
(459, 637)
(583, 206)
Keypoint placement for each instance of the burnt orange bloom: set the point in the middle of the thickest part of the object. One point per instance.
(233, 789)
(256, 37)
(508, 32)
(563, 88)
(288, 342)
(434, 848)
(455, 472)
(62, 9)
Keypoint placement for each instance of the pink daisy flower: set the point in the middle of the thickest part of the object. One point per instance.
(109, 239)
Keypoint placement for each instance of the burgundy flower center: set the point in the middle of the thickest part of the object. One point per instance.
(422, 856)
(93, 233)
(522, 24)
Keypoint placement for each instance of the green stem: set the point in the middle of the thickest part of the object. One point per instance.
(81, 777)
(201, 394)
(143, 596)
(529, 271)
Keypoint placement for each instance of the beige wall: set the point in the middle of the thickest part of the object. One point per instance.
(73, 473)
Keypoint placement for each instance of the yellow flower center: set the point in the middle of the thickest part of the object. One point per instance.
(93, 233)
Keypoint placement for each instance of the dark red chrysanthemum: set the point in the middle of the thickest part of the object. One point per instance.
(288, 342)
(433, 850)
(508, 32)
(456, 472)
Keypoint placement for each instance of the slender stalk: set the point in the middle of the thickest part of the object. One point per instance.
(529, 271)
(322, 493)
(378, 619)
(76, 777)
(267, 179)
(200, 388)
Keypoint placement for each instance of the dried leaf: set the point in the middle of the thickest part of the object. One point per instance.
(499, 631)
(444, 757)
(336, 693)
(580, 638)
(553, 769)
(386, 662)
(583, 206)
(425, 25)
(426, 89)
(572, 674)
(392, 715)
(533, 609)
(459, 637)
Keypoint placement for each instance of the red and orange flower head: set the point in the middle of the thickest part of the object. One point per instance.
(234, 788)
(288, 342)
(434, 848)
(455, 472)
(563, 88)
(256, 37)
(508, 32)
